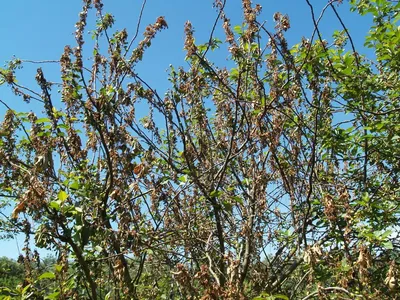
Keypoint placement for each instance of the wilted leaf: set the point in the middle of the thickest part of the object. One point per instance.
(138, 169)
(18, 209)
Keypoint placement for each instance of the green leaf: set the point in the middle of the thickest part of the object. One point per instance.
(74, 185)
(62, 126)
(6, 293)
(345, 266)
(25, 289)
(265, 296)
(348, 71)
(52, 295)
(238, 199)
(380, 125)
(58, 268)
(183, 179)
(238, 29)
(234, 73)
(216, 194)
(388, 245)
(281, 296)
(227, 206)
(186, 171)
(47, 275)
(62, 196)
(55, 204)
(108, 296)
(386, 234)
(365, 197)
(42, 120)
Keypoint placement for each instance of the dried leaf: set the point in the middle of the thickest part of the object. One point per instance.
(18, 209)
(138, 169)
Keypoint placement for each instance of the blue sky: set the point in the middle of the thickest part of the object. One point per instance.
(39, 30)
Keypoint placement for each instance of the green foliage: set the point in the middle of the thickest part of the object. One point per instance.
(265, 296)
(21, 280)
(11, 273)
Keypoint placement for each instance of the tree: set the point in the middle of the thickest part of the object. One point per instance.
(11, 272)
(238, 183)
(16, 277)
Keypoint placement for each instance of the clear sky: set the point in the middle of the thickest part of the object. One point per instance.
(39, 30)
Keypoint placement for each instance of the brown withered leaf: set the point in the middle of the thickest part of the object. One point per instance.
(18, 209)
(138, 169)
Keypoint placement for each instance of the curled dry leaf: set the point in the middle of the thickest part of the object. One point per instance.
(138, 169)
(18, 209)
